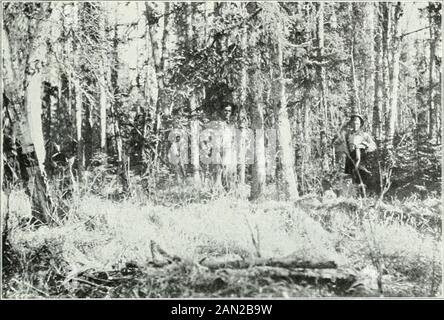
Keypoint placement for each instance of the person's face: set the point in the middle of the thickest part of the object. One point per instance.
(356, 123)
(227, 113)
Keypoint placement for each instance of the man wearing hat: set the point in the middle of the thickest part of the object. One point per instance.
(358, 144)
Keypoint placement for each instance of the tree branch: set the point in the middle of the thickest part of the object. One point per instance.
(411, 32)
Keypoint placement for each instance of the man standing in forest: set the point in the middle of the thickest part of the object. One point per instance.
(175, 158)
(223, 164)
(358, 144)
(228, 147)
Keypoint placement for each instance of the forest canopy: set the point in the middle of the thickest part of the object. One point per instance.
(103, 85)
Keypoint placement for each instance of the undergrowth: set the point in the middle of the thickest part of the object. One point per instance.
(102, 247)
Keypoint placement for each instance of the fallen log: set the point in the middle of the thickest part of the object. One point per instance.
(340, 280)
(285, 262)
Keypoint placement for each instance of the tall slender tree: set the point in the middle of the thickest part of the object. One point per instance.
(194, 125)
(378, 85)
(394, 83)
(23, 87)
(286, 159)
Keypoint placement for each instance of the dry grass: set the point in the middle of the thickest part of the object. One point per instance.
(101, 235)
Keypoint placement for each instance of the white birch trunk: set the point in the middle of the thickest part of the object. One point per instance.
(30, 123)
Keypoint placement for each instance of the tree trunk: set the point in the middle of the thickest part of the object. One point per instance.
(78, 104)
(194, 125)
(396, 53)
(164, 106)
(158, 51)
(47, 103)
(321, 68)
(30, 125)
(439, 113)
(79, 124)
(258, 173)
(355, 101)
(102, 106)
(36, 186)
(150, 120)
(103, 103)
(218, 11)
(386, 24)
(306, 149)
(194, 145)
(432, 112)
(289, 182)
(89, 12)
(121, 157)
(158, 57)
(377, 104)
(242, 112)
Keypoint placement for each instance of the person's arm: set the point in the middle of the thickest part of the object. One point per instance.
(369, 143)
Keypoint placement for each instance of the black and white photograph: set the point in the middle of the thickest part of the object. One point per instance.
(221, 150)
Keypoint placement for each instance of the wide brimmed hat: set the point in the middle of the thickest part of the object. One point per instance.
(359, 116)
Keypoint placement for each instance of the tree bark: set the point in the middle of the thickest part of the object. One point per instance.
(242, 112)
(194, 125)
(396, 53)
(89, 12)
(321, 67)
(121, 157)
(356, 102)
(377, 104)
(439, 114)
(102, 106)
(79, 124)
(47, 104)
(432, 112)
(386, 24)
(158, 57)
(194, 145)
(165, 107)
(158, 51)
(286, 160)
(258, 173)
(103, 103)
(28, 107)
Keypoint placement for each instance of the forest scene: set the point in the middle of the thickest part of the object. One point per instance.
(221, 149)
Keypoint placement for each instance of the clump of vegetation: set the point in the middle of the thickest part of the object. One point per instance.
(135, 248)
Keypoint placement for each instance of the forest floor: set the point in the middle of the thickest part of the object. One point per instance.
(186, 243)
